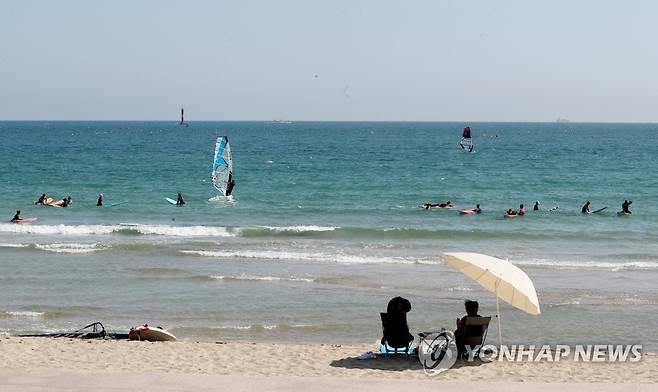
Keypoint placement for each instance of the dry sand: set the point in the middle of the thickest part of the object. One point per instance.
(49, 361)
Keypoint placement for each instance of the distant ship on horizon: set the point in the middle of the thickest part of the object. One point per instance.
(562, 120)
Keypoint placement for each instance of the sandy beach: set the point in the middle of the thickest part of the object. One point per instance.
(31, 362)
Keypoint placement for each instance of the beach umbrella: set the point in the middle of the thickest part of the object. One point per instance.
(507, 281)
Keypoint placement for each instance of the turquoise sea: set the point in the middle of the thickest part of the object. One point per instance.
(325, 227)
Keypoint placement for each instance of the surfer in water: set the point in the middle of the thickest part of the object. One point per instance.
(536, 207)
(230, 184)
(17, 216)
(427, 206)
(41, 200)
(625, 205)
(521, 210)
(585, 209)
(99, 203)
(477, 209)
(179, 200)
(447, 204)
(511, 212)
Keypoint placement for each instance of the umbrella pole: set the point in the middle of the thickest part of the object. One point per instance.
(500, 333)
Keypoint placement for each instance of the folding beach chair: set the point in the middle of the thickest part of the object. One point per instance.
(396, 338)
(474, 334)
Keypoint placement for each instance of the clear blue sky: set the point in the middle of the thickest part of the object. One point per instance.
(374, 60)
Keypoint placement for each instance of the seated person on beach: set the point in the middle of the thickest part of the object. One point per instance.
(625, 205)
(521, 210)
(41, 200)
(396, 336)
(585, 209)
(471, 308)
(16, 217)
(446, 204)
(427, 206)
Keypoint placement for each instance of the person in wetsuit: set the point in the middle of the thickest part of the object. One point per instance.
(477, 209)
(536, 207)
(585, 209)
(179, 201)
(625, 205)
(99, 203)
(41, 200)
(17, 217)
(230, 184)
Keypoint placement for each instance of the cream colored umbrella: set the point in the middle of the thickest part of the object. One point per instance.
(507, 281)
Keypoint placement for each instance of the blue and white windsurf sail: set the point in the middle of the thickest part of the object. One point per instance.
(222, 167)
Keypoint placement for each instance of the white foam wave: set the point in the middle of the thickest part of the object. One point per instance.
(70, 248)
(299, 229)
(25, 314)
(222, 199)
(10, 245)
(262, 278)
(599, 265)
(82, 230)
(304, 256)
(59, 229)
(184, 231)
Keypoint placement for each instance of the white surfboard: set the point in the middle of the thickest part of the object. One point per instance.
(154, 334)
(172, 201)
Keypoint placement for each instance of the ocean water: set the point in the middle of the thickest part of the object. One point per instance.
(324, 228)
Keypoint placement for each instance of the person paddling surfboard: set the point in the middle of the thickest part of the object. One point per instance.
(17, 216)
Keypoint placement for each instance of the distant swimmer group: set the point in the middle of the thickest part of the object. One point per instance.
(512, 213)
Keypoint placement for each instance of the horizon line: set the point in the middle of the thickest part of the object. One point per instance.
(343, 121)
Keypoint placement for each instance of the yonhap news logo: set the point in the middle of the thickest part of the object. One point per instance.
(548, 353)
(438, 352)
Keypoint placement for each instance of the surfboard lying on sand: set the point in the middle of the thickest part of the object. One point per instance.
(25, 220)
(152, 334)
(172, 201)
(599, 210)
